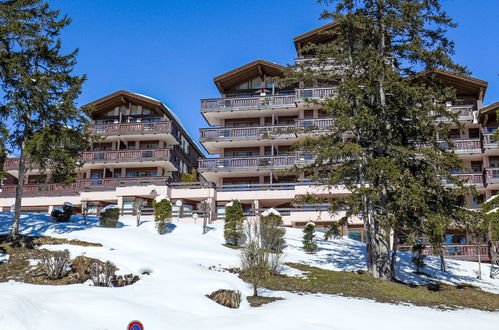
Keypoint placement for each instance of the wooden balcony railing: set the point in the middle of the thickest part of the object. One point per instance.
(262, 132)
(456, 251)
(489, 142)
(464, 112)
(465, 146)
(131, 128)
(271, 162)
(492, 175)
(248, 103)
(81, 185)
(315, 93)
(319, 123)
(11, 164)
(470, 178)
(126, 155)
(242, 133)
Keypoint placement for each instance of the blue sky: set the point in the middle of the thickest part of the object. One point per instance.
(171, 50)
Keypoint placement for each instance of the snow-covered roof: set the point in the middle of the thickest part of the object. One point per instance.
(270, 211)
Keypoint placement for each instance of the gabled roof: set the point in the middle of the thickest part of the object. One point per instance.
(247, 71)
(123, 97)
(463, 84)
(491, 108)
(314, 36)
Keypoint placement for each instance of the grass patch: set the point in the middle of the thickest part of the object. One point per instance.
(259, 301)
(363, 285)
(26, 248)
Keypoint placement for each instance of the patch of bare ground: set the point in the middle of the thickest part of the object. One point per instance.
(25, 257)
(257, 301)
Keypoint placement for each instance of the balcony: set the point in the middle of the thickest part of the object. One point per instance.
(97, 184)
(489, 142)
(316, 93)
(465, 146)
(126, 155)
(247, 133)
(317, 124)
(248, 103)
(11, 164)
(470, 179)
(464, 112)
(160, 127)
(246, 163)
(492, 175)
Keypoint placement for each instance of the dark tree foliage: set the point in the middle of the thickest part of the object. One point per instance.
(387, 118)
(233, 227)
(40, 90)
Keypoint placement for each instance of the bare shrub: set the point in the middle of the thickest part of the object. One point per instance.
(55, 264)
(102, 274)
(257, 262)
(227, 298)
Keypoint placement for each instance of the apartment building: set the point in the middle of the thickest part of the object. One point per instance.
(139, 143)
(252, 127)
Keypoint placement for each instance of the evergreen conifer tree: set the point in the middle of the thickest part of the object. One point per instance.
(272, 231)
(309, 243)
(383, 145)
(233, 227)
(40, 91)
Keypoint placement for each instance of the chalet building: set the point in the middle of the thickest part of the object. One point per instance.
(252, 127)
(140, 142)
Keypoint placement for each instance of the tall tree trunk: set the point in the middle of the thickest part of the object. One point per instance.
(479, 260)
(393, 257)
(378, 261)
(255, 290)
(442, 260)
(19, 193)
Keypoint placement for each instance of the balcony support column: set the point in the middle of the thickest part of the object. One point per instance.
(256, 206)
(123, 172)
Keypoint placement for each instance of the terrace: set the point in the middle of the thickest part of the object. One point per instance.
(159, 127)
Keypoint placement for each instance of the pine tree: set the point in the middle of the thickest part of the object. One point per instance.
(383, 145)
(309, 243)
(233, 227)
(40, 91)
(162, 212)
(272, 231)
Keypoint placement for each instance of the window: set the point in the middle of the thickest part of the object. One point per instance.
(146, 111)
(454, 134)
(474, 133)
(134, 109)
(252, 84)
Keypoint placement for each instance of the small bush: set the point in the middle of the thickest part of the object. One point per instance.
(109, 216)
(233, 227)
(62, 214)
(309, 243)
(162, 213)
(272, 231)
(55, 265)
(102, 274)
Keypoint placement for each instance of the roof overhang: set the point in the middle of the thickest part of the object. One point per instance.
(121, 97)
(315, 36)
(247, 71)
(464, 85)
(490, 109)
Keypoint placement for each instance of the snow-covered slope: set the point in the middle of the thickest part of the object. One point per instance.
(173, 296)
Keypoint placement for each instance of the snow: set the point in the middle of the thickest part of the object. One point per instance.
(161, 197)
(310, 223)
(4, 257)
(110, 206)
(491, 198)
(231, 203)
(181, 274)
(493, 211)
(68, 204)
(270, 211)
